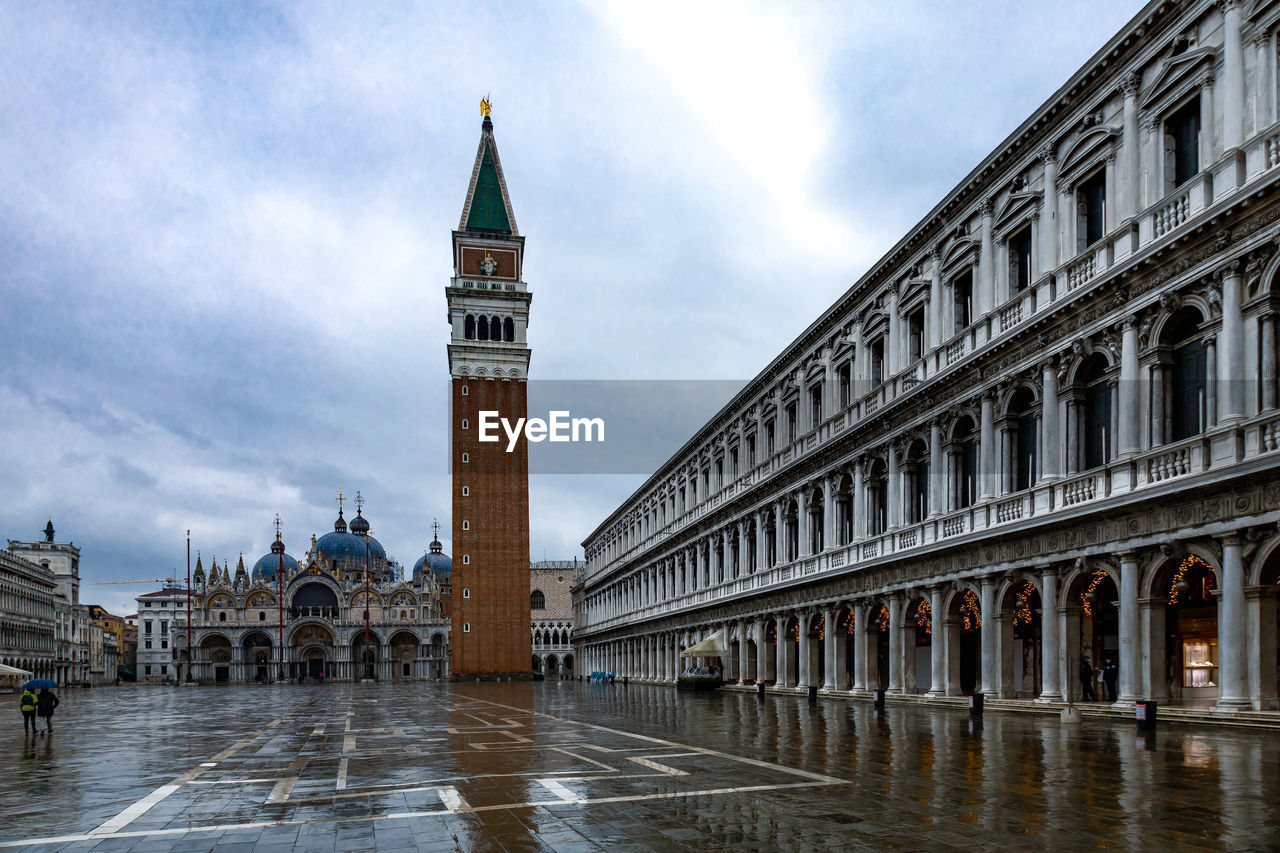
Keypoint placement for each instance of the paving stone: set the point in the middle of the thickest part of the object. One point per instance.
(438, 767)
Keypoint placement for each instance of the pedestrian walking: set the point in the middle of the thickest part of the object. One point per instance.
(1110, 675)
(27, 703)
(45, 703)
(1086, 681)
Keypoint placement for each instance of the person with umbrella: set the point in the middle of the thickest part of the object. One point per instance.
(45, 701)
(28, 705)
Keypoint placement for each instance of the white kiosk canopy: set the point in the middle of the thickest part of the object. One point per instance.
(711, 647)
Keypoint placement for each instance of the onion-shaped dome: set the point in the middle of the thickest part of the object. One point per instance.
(265, 568)
(438, 562)
(344, 550)
(359, 525)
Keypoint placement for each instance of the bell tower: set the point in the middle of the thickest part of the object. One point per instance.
(488, 367)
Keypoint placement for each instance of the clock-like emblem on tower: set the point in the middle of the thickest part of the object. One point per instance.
(488, 264)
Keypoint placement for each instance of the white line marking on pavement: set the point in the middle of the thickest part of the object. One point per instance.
(280, 792)
(342, 775)
(653, 765)
(452, 799)
(131, 813)
(231, 827)
(349, 743)
(127, 816)
(318, 730)
(565, 795)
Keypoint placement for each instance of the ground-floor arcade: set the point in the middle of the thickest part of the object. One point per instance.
(315, 649)
(1191, 622)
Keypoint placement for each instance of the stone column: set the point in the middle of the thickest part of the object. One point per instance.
(894, 485)
(990, 637)
(1208, 150)
(861, 646)
(986, 265)
(1232, 689)
(802, 650)
(762, 657)
(828, 512)
(1049, 213)
(1232, 77)
(780, 649)
(779, 534)
(988, 447)
(859, 502)
(936, 335)
(744, 673)
(804, 535)
(1231, 358)
(1130, 647)
(1128, 388)
(829, 649)
(1129, 146)
(1263, 89)
(937, 505)
(1268, 361)
(762, 542)
(937, 645)
(1050, 651)
(1051, 449)
(895, 639)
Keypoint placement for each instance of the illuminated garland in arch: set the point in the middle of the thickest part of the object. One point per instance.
(771, 636)
(1086, 602)
(793, 631)
(1180, 575)
(970, 611)
(924, 616)
(882, 619)
(822, 627)
(848, 624)
(1022, 604)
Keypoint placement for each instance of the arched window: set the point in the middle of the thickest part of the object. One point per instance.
(495, 328)
(1095, 419)
(791, 520)
(915, 474)
(877, 498)
(1022, 423)
(1188, 378)
(469, 327)
(537, 601)
(509, 330)
(222, 616)
(964, 464)
(483, 333)
(817, 541)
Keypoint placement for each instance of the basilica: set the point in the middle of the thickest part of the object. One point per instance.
(346, 611)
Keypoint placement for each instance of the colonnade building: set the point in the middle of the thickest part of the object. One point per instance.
(1043, 426)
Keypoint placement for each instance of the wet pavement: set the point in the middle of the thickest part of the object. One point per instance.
(568, 766)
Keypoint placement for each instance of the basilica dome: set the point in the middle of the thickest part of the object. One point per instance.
(265, 568)
(439, 562)
(343, 550)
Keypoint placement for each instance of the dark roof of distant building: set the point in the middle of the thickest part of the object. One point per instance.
(167, 592)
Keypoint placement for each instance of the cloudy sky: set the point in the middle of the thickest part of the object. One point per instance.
(224, 230)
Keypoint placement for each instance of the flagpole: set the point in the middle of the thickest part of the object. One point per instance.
(190, 656)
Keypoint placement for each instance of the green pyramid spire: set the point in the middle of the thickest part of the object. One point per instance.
(488, 209)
